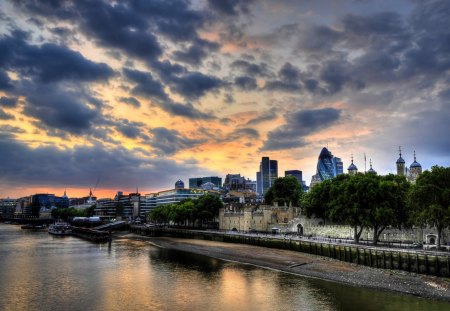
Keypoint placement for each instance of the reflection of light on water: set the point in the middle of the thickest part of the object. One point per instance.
(41, 273)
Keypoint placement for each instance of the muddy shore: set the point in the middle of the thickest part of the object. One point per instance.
(311, 266)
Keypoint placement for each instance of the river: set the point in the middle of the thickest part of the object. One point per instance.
(41, 272)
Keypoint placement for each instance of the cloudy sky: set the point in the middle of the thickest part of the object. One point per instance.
(143, 92)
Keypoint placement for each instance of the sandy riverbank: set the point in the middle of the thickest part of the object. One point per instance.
(311, 266)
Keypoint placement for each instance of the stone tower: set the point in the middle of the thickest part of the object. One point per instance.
(400, 164)
(415, 169)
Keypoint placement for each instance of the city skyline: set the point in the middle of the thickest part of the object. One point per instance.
(146, 93)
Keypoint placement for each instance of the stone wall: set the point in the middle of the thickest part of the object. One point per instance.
(289, 220)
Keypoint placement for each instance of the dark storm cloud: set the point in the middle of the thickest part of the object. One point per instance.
(263, 117)
(130, 129)
(5, 82)
(60, 108)
(245, 83)
(130, 101)
(81, 166)
(5, 116)
(129, 26)
(251, 69)
(230, 7)
(288, 80)
(198, 50)
(49, 62)
(299, 125)
(169, 142)
(147, 86)
(9, 102)
(382, 23)
(317, 38)
(237, 134)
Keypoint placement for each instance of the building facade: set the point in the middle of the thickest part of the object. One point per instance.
(268, 172)
(328, 166)
(198, 182)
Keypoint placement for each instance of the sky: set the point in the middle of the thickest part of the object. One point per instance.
(115, 95)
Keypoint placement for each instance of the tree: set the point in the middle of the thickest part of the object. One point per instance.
(429, 200)
(208, 207)
(315, 202)
(284, 190)
(347, 202)
(387, 204)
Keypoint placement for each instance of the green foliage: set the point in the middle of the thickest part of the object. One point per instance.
(315, 202)
(284, 190)
(429, 199)
(188, 212)
(361, 201)
(70, 212)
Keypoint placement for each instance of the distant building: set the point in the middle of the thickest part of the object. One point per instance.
(179, 184)
(296, 173)
(415, 169)
(328, 167)
(352, 169)
(268, 172)
(7, 207)
(235, 182)
(198, 182)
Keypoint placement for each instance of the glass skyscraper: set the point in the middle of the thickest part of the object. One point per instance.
(268, 172)
(328, 167)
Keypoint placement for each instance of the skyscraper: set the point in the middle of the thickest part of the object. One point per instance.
(328, 167)
(268, 172)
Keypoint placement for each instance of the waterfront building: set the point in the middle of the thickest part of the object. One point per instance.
(83, 202)
(106, 208)
(328, 167)
(179, 184)
(7, 207)
(268, 172)
(198, 182)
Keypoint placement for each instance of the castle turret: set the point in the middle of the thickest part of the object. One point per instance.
(400, 164)
(371, 170)
(352, 169)
(415, 169)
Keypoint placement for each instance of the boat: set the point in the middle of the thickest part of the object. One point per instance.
(34, 227)
(60, 228)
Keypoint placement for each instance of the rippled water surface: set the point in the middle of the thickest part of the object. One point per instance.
(42, 272)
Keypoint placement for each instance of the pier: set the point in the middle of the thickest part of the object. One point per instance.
(91, 234)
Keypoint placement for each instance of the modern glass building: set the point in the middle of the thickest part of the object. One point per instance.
(197, 182)
(328, 167)
(268, 172)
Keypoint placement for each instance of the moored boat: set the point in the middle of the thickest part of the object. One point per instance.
(60, 228)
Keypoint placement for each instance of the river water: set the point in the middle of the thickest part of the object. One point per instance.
(41, 272)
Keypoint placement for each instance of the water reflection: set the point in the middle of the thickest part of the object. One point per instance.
(40, 272)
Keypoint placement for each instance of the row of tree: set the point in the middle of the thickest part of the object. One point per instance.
(70, 212)
(190, 212)
(377, 202)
